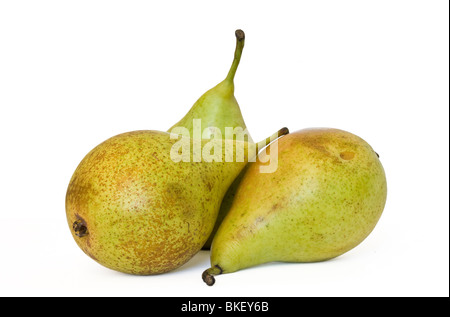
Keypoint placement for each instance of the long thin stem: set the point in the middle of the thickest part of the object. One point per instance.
(240, 40)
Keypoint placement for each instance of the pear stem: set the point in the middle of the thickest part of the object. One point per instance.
(208, 277)
(262, 144)
(240, 39)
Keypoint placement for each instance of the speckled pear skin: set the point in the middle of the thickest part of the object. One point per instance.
(324, 199)
(134, 210)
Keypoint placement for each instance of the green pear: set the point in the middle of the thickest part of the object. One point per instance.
(136, 205)
(217, 109)
(325, 197)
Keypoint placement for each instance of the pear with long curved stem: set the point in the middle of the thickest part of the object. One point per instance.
(219, 109)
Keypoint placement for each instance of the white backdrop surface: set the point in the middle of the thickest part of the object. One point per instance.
(74, 73)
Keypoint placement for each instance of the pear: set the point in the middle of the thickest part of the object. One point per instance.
(137, 206)
(218, 109)
(325, 197)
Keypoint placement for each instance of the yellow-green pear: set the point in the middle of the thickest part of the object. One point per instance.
(325, 197)
(218, 110)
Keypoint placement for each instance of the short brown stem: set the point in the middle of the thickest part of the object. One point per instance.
(208, 277)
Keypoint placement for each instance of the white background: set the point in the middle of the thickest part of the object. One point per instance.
(74, 73)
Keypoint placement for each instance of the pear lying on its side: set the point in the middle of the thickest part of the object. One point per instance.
(325, 197)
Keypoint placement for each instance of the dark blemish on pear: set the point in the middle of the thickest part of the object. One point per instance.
(80, 228)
